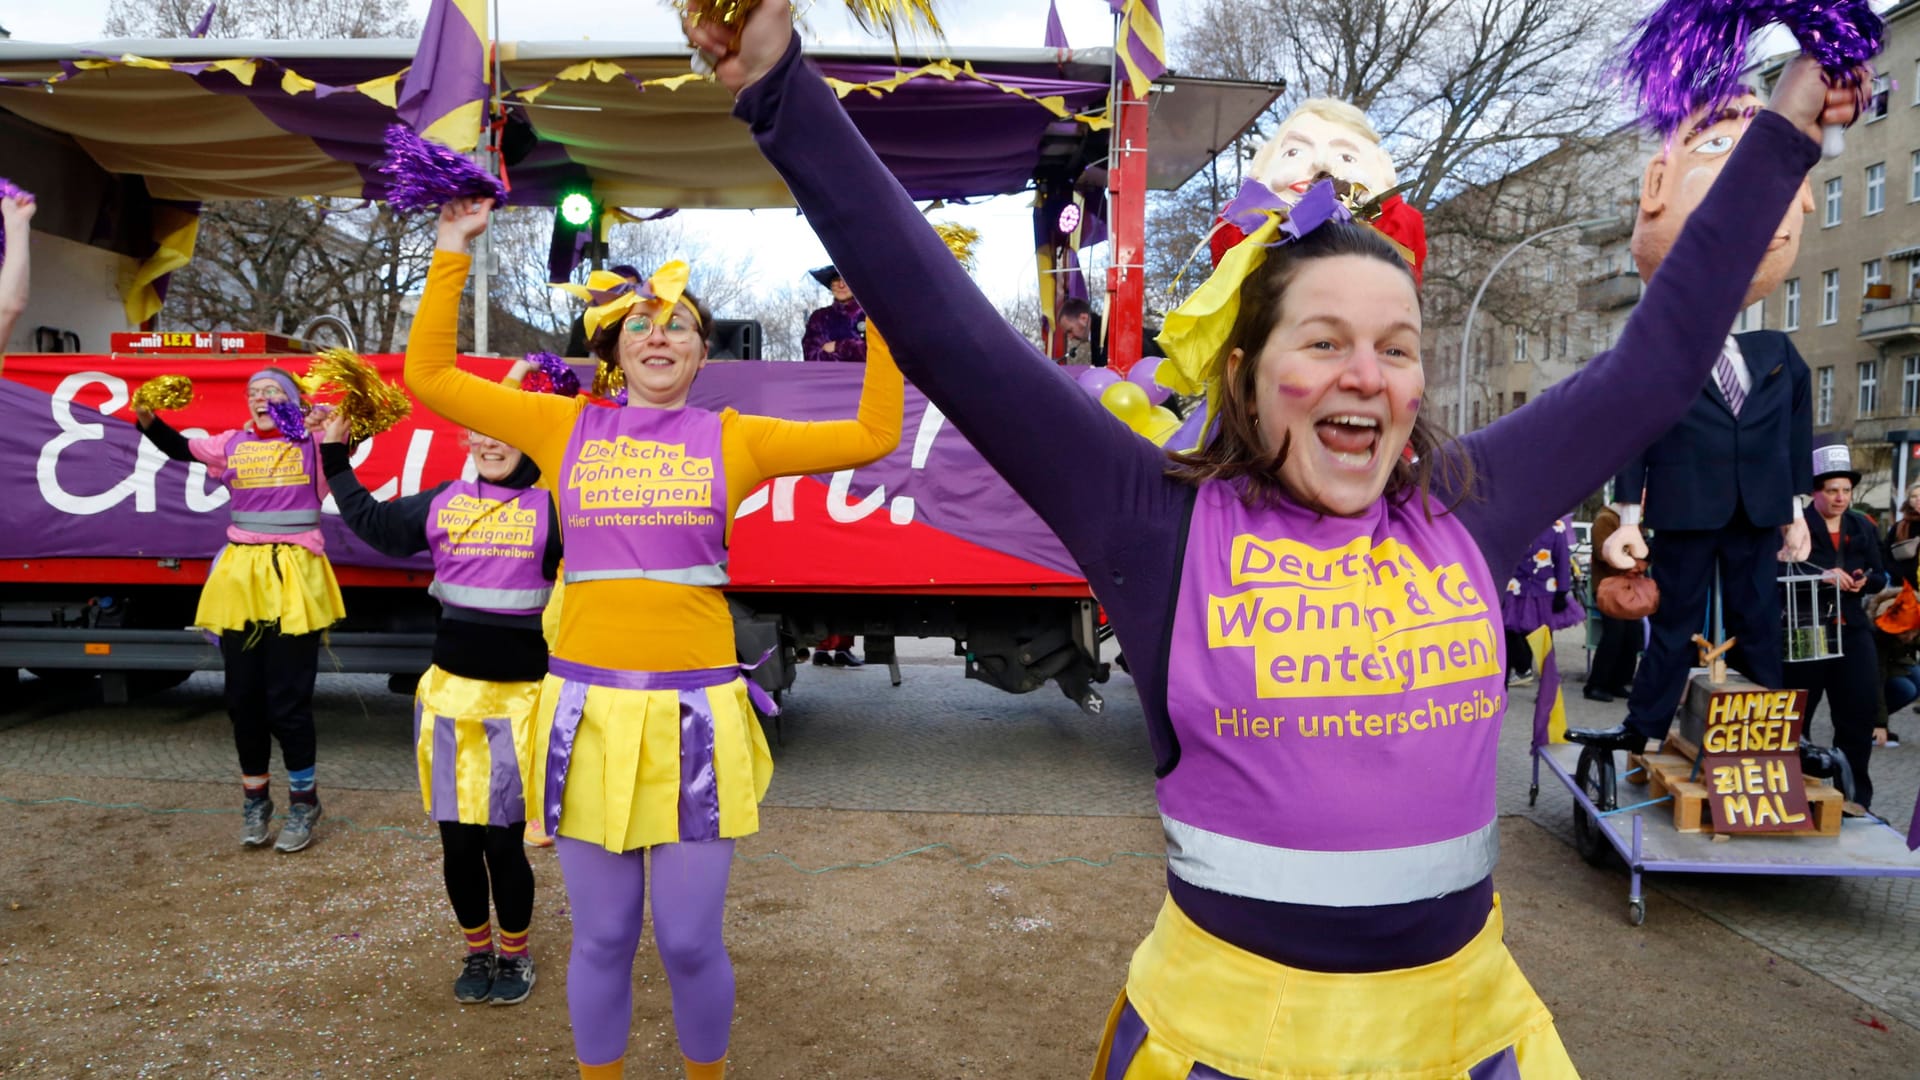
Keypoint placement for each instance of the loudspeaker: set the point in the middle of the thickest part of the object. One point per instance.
(735, 339)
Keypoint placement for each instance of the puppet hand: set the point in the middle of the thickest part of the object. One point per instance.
(1623, 547)
(142, 416)
(1806, 97)
(1795, 542)
(460, 221)
(17, 211)
(740, 56)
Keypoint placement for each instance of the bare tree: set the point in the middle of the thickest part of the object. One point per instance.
(273, 20)
(1463, 92)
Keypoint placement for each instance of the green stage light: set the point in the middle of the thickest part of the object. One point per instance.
(576, 209)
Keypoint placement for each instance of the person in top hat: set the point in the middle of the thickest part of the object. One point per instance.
(839, 330)
(1846, 547)
(1722, 488)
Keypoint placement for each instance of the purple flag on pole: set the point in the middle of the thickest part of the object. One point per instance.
(443, 97)
(1056, 33)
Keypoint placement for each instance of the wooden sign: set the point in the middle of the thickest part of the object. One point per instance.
(1750, 761)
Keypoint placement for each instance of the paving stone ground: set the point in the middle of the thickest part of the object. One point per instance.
(849, 740)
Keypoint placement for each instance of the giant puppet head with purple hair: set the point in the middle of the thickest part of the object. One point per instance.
(1685, 68)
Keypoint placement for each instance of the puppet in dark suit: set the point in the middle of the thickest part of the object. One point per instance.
(1722, 489)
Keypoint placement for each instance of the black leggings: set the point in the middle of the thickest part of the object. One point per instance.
(472, 854)
(270, 694)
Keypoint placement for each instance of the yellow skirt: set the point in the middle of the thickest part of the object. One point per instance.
(469, 739)
(623, 778)
(266, 583)
(1207, 1005)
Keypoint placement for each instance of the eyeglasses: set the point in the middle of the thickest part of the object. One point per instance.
(266, 393)
(677, 327)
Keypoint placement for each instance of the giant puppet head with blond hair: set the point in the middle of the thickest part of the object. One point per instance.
(1324, 138)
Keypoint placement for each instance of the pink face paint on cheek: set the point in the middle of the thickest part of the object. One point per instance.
(1290, 390)
(1414, 405)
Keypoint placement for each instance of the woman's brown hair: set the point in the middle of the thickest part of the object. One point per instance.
(1235, 454)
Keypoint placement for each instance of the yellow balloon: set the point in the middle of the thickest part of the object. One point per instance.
(1129, 403)
(1159, 431)
(1162, 415)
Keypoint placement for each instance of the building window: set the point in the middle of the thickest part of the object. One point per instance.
(1832, 217)
(1913, 280)
(1876, 188)
(1869, 275)
(1910, 386)
(1520, 396)
(1829, 297)
(1791, 319)
(1751, 317)
(1520, 346)
(1882, 91)
(1869, 388)
(1913, 179)
(1823, 408)
(1566, 352)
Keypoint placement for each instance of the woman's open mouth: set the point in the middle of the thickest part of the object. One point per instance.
(1349, 439)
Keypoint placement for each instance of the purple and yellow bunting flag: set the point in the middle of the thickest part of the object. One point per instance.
(1141, 42)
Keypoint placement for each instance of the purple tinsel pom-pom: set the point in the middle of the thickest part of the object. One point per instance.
(557, 376)
(421, 175)
(10, 190)
(1688, 54)
(288, 418)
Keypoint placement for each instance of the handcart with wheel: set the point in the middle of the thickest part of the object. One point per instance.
(1651, 815)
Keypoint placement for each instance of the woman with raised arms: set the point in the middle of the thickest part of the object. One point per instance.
(1330, 906)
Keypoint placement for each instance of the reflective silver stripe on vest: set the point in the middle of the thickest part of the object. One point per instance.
(1329, 878)
(715, 575)
(277, 521)
(470, 596)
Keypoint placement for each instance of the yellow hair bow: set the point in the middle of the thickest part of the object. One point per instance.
(609, 296)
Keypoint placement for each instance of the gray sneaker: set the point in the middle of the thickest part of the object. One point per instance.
(512, 980)
(476, 979)
(256, 822)
(298, 831)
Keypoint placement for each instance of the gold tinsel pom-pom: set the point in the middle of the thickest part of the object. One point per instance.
(371, 404)
(164, 392)
(889, 17)
(960, 240)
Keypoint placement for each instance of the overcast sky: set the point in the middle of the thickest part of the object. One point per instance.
(783, 248)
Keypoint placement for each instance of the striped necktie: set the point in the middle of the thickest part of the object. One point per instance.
(1729, 380)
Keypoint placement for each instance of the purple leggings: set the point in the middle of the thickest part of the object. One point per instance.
(607, 895)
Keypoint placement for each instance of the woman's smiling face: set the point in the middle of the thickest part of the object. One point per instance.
(1339, 380)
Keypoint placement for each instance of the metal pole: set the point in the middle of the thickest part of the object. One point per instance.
(1466, 333)
(481, 300)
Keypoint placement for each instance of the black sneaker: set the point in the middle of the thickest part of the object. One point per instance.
(1893, 739)
(512, 980)
(256, 822)
(476, 979)
(843, 658)
(822, 658)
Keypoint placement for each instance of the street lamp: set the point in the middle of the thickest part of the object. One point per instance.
(1466, 333)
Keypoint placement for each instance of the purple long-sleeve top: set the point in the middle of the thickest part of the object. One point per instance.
(1124, 520)
(841, 322)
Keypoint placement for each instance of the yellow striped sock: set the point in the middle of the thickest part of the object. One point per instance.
(514, 944)
(479, 938)
(712, 1070)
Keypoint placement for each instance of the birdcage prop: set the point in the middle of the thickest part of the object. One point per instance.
(1810, 615)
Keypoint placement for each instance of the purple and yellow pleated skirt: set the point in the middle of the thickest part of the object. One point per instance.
(1195, 1006)
(470, 739)
(631, 759)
